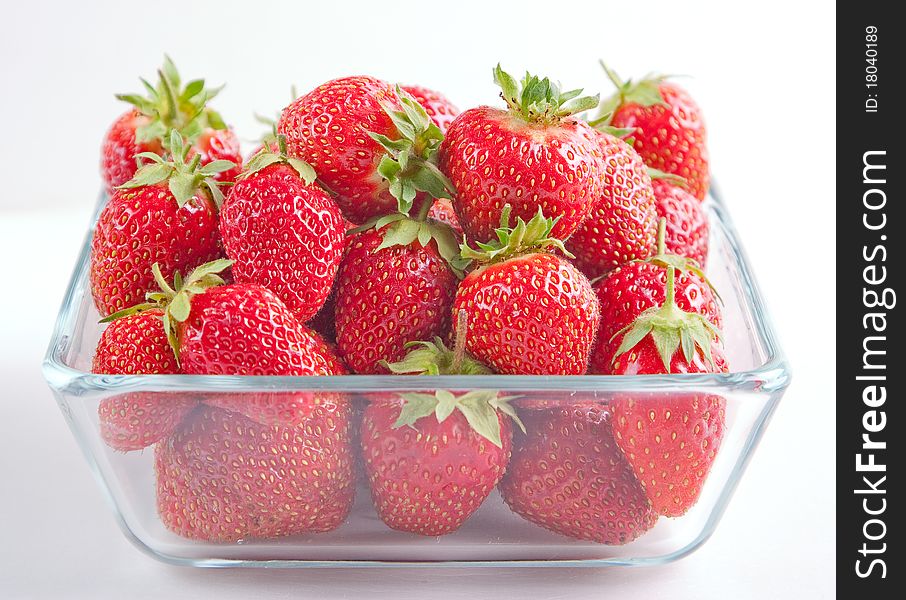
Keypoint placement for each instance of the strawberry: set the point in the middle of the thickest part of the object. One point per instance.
(242, 329)
(166, 214)
(395, 286)
(441, 110)
(671, 442)
(637, 286)
(432, 458)
(534, 155)
(283, 232)
(219, 144)
(372, 145)
(668, 129)
(147, 126)
(122, 144)
(137, 345)
(567, 475)
(687, 225)
(671, 439)
(222, 477)
(623, 220)
(442, 210)
(529, 312)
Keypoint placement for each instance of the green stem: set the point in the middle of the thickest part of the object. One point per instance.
(670, 300)
(459, 343)
(661, 236)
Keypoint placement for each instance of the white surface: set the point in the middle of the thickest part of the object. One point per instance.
(765, 78)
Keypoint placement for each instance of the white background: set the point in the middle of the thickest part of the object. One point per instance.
(763, 73)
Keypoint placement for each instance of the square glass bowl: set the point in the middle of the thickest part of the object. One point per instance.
(493, 535)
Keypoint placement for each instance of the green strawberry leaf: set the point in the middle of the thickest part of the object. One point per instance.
(512, 241)
(482, 417)
(415, 407)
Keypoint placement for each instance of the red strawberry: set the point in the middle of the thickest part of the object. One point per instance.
(394, 286)
(529, 312)
(219, 144)
(121, 145)
(687, 225)
(432, 459)
(243, 329)
(442, 210)
(668, 127)
(568, 475)
(146, 128)
(137, 345)
(441, 110)
(283, 232)
(167, 214)
(623, 220)
(637, 286)
(372, 145)
(534, 155)
(671, 439)
(671, 442)
(225, 478)
(325, 322)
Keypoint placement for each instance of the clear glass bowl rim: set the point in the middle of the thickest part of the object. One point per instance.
(773, 375)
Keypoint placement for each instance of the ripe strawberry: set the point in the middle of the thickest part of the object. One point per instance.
(567, 475)
(283, 232)
(219, 144)
(432, 459)
(373, 146)
(623, 220)
(122, 144)
(529, 312)
(395, 286)
(224, 478)
(649, 344)
(242, 329)
(441, 110)
(137, 345)
(442, 210)
(534, 155)
(146, 128)
(670, 439)
(166, 214)
(637, 286)
(687, 225)
(671, 442)
(668, 127)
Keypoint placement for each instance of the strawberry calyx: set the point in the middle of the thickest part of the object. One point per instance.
(683, 264)
(410, 162)
(670, 327)
(267, 157)
(175, 300)
(540, 101)
(645, 92)
(479, 407)
(183, 178)
(170, 105)
(524, 238)
(400, 229)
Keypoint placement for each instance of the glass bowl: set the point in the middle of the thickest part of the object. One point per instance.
(493, 535)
